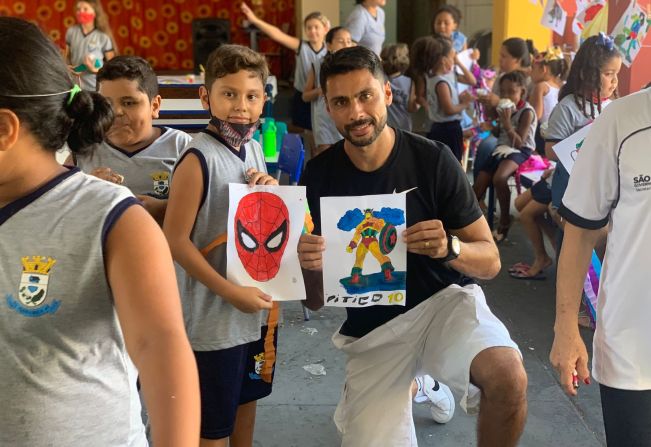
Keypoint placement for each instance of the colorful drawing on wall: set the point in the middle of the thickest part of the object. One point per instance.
(591, 18)
(554, 17)
(568, 150)
(365, 260)
(264, 225)
(630, 32)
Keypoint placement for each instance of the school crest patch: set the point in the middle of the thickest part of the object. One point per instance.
(161, 183)
(259, 361)
(33, 288)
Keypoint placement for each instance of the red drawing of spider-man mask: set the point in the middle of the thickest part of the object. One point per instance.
(262, 228)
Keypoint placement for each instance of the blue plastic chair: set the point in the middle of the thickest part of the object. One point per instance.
(291, 158)
(290, 161)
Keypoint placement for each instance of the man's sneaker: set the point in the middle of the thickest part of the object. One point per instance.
(439, 396)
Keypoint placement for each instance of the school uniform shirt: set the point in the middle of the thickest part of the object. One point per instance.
(323, 127)
(96, 44)
(146, 171)
(398, 115)
(611, 185)
(366, 30)
(435, 112)
(306, 56)
(528, 142)
(212, 323)
(65, 376)
(566, 118)
(438, 189)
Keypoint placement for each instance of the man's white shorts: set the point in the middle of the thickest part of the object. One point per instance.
(440, 337)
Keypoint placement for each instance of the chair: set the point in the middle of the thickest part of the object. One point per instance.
(291, 158)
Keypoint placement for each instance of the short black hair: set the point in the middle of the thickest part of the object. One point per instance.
(520, 49)
(517, 77)
(450, 9)
(332, 32)
(35, 85)
(351, 59)
(133, 68)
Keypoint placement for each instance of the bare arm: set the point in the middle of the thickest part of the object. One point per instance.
(549, 151)
(517, 136)
(466, 77)
(155, 207)
(537, 98)
(182, 208)
(270, 30)
(421, 91)
(445, 99)
(310, 255)
(412, 104)
(568, 350)
(479, 256)
(311, 92)
(148, 307)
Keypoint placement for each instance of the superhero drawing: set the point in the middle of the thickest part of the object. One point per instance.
(554, 17)
(263, 230)
(630, 33)
(375, 234)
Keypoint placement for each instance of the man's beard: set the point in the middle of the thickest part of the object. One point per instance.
(366, 140)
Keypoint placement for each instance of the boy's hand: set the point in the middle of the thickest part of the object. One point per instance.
(108, 175)
(310, 251)
(249, 299)
(260, 178)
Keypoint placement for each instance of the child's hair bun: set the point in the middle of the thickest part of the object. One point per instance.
(92, 117)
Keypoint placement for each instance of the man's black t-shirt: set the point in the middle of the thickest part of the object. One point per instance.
(441, 192)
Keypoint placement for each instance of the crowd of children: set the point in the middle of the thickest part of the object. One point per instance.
(134, 323)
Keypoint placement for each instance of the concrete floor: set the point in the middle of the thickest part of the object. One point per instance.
(299, 411)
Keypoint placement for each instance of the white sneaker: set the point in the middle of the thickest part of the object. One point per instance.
(439, 396)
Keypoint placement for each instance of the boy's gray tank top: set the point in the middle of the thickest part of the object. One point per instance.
(211, 322)
(65, 377)
(146, 171)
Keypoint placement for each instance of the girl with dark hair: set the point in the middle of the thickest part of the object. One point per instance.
(87, 280)
(515, 54)
(90, 42)
(437, 63)
(445, 22)
(590, 86)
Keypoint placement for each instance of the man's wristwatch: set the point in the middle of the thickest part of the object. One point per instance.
(454, 249)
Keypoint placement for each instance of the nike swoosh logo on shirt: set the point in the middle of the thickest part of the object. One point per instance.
(404, 192)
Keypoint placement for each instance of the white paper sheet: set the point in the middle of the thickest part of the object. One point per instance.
(568, 149)
(343, 221)
(264, 226)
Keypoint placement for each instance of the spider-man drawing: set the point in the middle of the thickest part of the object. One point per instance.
(262, 228)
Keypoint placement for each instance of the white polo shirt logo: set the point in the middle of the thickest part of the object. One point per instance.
(642, 183)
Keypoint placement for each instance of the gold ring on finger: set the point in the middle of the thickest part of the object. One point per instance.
(426, 244)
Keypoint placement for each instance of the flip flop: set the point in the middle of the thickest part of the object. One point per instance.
(523, 275)
(518, 267)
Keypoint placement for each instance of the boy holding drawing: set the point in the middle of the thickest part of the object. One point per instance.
(224, 320)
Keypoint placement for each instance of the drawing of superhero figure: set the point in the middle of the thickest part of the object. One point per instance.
(373, 235)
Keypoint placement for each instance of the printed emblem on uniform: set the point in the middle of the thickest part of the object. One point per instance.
(642, 182)
(259, 361)
(32, 290)
(161, 183)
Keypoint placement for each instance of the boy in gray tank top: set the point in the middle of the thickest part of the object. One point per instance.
(135, 154)
(86, 279)
(224, 321)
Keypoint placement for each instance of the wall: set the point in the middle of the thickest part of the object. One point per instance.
(518, 18)
(329, 8)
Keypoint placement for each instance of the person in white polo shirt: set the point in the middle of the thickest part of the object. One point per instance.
(611, 186)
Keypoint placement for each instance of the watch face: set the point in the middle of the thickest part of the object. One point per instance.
(456, 245)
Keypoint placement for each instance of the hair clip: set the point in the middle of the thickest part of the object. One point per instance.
(553, 54)
(487, 73)
(605, 41)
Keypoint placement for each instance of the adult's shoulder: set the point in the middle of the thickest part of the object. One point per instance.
(422, 149)
(629, 114)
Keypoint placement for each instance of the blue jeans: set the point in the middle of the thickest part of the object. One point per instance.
(484, 154)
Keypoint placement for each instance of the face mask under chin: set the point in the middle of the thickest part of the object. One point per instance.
(235, 134)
